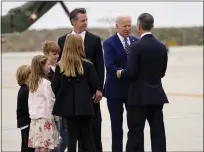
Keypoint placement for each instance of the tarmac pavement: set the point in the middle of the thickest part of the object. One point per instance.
(183, 116)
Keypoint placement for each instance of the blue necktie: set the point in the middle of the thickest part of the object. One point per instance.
(127, 46)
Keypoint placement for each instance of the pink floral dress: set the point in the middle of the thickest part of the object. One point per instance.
(43, 133)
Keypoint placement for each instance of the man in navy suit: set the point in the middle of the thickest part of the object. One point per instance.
(116, 91)
(146, 65)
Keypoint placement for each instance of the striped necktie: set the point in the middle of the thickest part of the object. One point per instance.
(127, 46)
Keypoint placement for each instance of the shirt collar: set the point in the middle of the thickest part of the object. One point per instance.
(82, 33)
(122, 39)
(145, 34)
(53, 68)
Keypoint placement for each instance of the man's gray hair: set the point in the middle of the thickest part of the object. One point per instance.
(121, 17)
(146, 21)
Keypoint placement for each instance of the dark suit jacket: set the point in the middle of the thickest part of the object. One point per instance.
(146, 65)
(74, 95)
(51, 74)
(22, 107)
(93, 50)
(115, 58)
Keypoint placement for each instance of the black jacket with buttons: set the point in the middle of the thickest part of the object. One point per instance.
(22, 107)
(74, 94)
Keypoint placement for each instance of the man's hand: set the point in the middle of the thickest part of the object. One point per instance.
(118, 73)
(97, 96)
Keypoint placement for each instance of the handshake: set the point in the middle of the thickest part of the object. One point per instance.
(118, 73)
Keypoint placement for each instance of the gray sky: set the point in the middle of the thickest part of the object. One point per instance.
(165, 13)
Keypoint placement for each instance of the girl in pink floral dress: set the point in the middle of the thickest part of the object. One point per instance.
(43, 133)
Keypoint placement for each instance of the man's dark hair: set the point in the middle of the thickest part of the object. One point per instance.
(146, 21)
(73, 14)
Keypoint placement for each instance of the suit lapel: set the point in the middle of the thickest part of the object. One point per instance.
(86, 42)
(119, 43)
(132, 40)
(86, 38)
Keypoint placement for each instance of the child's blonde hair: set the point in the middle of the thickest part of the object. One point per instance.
(22, 74)
(37, 72)
(50, 47)
(72, 56)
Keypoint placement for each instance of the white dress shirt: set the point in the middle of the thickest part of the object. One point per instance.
(82, 34)
(123, 40)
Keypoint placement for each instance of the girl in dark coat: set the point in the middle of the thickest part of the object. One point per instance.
(74, 82)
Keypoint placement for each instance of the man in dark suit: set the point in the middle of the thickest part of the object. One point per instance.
(94, 53)
(115, 90)
(146, 65)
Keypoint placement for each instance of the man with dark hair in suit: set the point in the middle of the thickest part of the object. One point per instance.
(146, 65)
(115, 90)
(94, 53)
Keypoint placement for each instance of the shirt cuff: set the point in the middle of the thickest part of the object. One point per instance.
(24, 127)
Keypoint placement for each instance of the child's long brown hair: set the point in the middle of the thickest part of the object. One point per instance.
(73, 55)
(37, 72)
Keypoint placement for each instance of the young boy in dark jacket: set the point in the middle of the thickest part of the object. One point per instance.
(23, 120)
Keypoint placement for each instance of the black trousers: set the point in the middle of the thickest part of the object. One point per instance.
(136, 117)
(97, 119)
(24, 141)
(80, 127)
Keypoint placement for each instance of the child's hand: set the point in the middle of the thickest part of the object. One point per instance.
(57, 118)
(57, 122)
